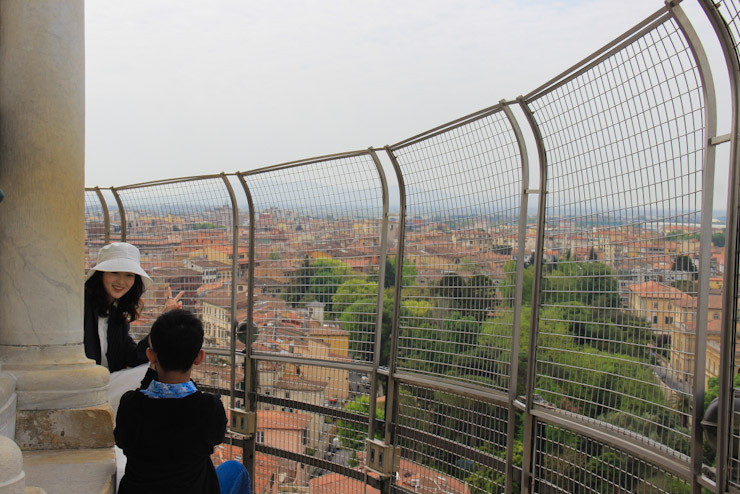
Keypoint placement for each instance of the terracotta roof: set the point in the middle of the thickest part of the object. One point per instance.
(339, 484)
(653, 289)
(276, 419)
(299, 384)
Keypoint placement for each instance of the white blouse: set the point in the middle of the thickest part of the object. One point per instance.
(103, 334)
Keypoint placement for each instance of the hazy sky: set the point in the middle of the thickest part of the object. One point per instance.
(191, 87)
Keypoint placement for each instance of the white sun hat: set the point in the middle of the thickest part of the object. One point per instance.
(120, 257)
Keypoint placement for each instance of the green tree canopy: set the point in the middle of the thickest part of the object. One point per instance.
(327, 275)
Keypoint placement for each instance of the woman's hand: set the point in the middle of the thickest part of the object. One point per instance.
(173, 302)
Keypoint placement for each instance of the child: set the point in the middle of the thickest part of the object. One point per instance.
(167, 428)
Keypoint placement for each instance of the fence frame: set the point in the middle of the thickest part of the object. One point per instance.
(689, 469)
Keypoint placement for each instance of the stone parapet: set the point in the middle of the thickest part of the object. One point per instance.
(81, 428)
(80, 471)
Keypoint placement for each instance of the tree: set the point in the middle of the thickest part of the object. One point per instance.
(327, 275)
(299, 287)
(359, 320)
(686, 264)
(683, 263)
(485, 479)
(408, 276)
(390, 272)
(449, 292)
(592, 284)
(507, 289)
(352, 434)
(712, 391)
(353, 290)
(718, 239)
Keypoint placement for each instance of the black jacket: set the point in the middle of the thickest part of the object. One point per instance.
(122, 349)
(168, 442)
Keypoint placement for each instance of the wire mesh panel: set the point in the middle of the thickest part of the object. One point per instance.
(451, 442)
(318, 262)
(570, 463)
(463, 188)
(729, 13)
(317, 257)
(623, 138)
(184, 231)
(102, 220)
(283, 383)
(96, 226)
(313, 411)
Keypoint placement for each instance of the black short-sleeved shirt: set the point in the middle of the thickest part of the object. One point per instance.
(168, 443)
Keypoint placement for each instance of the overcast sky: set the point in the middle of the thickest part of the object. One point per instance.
(191, 87)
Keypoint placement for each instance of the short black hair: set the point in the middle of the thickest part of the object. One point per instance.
(176, 338)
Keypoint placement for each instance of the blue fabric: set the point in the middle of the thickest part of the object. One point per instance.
(157, 389)
(233, 478)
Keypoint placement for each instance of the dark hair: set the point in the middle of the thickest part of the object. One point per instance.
(176, 338)
(129, 306)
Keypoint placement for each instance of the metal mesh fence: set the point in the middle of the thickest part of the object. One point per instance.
(729, 13)
(616, 312)
(97, 226)
(463, 188)
(567, 462)
(318, 263)
(317, 257)
(102, 222)
(451, 442)
(320, 395)
(184, 231)
(624, 141)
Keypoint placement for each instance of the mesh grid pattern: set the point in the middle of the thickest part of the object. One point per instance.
(618, 299)
(317, 254)
(464, 425)
(332, 388)
(730, 13)
(570, 463)
(94, 227)
(463, 190)
(185, 235)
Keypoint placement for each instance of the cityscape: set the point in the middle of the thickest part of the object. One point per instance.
(538, 296)
(315, 298)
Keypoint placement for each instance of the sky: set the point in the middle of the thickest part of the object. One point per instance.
(178, 88)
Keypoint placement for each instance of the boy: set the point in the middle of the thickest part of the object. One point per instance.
(167, 429)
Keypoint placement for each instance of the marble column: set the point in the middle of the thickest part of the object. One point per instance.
(61, 395)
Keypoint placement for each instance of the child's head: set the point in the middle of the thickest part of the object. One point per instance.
(177, 338)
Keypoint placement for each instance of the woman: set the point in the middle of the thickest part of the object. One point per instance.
(113, 290)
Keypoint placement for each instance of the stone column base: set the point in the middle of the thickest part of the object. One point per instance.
(55, 377)
(74, 428)
(12, 477)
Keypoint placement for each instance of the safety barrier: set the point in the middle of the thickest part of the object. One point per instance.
(461, 331)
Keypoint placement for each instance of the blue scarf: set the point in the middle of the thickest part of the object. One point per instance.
(158, 390)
